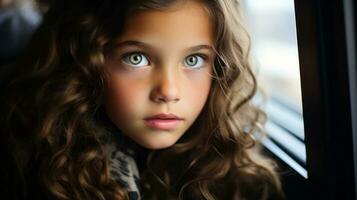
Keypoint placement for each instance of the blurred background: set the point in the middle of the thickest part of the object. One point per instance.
(18, 20)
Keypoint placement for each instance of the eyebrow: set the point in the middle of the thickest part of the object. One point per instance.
(148, 46)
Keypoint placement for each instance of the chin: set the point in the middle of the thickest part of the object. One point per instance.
(157, 144)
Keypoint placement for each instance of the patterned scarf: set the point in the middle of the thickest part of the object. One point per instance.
(122, 163)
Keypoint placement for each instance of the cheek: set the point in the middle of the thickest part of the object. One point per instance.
(123, 98)
(198, 90)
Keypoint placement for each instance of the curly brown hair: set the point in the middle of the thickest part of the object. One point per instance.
(55, 137)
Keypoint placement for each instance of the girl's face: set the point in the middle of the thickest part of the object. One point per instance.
(161, 64)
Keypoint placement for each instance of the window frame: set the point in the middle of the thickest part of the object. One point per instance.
(327, 55)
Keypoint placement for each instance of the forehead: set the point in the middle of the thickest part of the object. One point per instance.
(183, 23)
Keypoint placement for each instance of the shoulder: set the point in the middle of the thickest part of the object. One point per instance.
(18, 188)
(240, 185)
(7, 74)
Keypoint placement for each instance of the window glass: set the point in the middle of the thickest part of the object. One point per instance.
(274, 44)
(272, 26)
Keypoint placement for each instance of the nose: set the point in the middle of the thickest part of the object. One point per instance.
(166, 86)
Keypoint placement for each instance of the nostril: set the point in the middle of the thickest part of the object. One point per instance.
(165, 94)
(166, 99)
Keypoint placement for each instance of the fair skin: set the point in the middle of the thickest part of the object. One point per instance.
(161, 63)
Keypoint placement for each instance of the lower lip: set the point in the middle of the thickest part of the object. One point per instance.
(163, 124)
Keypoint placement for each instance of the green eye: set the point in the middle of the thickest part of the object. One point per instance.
(135, 59)
(194, 61)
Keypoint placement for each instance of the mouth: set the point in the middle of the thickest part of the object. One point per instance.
(163, 121)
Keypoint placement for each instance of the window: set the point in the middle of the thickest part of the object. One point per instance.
(326, 38)
(275, 57)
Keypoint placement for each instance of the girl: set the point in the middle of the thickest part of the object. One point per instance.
(136, 99)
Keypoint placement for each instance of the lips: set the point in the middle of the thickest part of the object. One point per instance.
(164, 116)
(163, 121)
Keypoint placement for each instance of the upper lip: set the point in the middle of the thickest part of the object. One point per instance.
(164, 116)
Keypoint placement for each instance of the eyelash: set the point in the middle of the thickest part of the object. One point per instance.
(132, 52)
(203, 56)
